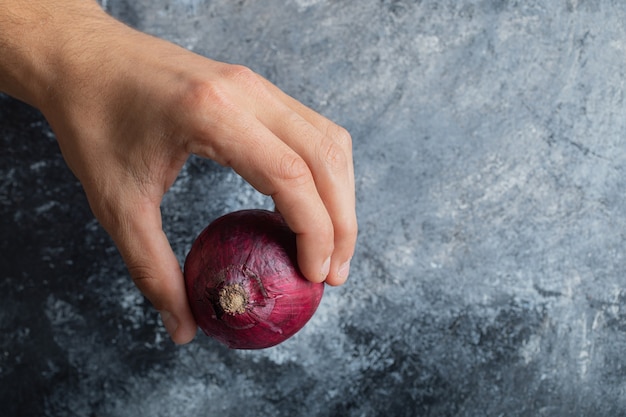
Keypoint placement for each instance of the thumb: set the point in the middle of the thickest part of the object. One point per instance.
(156, 271)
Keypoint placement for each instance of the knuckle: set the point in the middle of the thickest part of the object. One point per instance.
(206, 108)
(294, 170)
(143, 276)
(240, 74)
(341, 136)
(201, 96)
(333, 156)
(237, 71)
(145, 279)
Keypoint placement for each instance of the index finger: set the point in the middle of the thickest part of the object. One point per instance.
(327, 149)
(275, 169)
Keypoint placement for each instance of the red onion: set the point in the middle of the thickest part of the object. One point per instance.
(243, 284)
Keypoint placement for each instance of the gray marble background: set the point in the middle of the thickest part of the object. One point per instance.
(489, 278)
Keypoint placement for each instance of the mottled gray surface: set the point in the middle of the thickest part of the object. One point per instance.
(489, 279)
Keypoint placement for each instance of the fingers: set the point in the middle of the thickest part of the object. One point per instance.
(275, 169)
(327, 149)
(155, 269)
(329, 159)
(304, 162)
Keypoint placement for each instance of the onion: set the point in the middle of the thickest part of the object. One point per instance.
(243, 284)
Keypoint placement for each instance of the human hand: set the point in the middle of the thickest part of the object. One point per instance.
(128, 109)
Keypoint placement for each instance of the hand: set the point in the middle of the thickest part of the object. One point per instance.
(128, 109)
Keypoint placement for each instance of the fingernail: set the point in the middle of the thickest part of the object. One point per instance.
(344, 270)
(170, 322)
(325, 268)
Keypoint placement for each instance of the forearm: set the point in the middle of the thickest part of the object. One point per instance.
(39, 44)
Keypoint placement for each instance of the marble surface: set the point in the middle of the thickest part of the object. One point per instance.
(490, 276)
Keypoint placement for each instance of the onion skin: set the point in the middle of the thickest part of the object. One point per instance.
(243, 283)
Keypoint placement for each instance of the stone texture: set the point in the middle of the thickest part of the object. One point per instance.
(489, 279)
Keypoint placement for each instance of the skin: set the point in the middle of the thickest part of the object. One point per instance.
(128, 109)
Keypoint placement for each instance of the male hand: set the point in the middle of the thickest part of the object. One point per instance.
(128, 109)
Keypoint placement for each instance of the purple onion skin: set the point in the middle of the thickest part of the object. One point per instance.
(256, 250)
